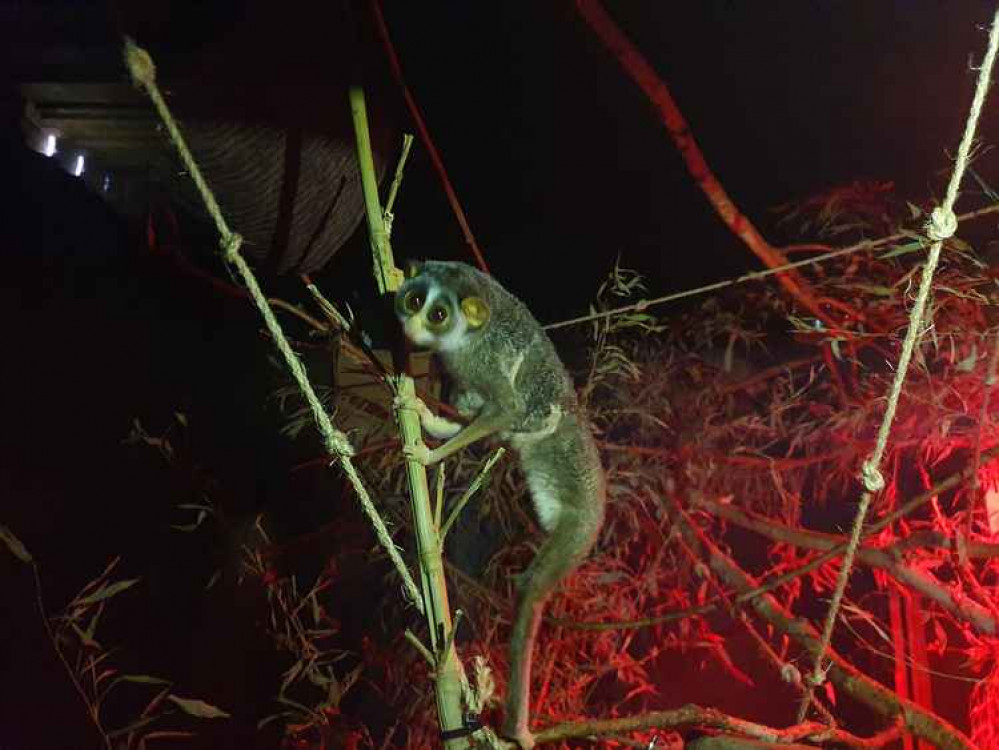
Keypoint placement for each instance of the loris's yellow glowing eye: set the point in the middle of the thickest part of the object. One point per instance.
(437, 314)
(413, 301)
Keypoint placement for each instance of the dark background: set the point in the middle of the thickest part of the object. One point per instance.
(561, 165)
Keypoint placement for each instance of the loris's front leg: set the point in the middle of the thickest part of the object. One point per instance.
(435, 425)
(485, 424)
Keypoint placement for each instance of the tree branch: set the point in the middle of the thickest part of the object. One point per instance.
(709, 718)
(658, 93)
(846, 677)
(944, 485)
(918, 580)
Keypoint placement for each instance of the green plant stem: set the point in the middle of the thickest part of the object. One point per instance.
(448, 672)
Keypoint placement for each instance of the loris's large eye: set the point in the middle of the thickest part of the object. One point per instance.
(437, 314)
(413, 301)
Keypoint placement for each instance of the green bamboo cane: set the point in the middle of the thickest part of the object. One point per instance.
(448, 672)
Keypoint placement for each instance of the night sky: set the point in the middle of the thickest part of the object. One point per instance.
(560, 160)
(561, 163)
(561, 166)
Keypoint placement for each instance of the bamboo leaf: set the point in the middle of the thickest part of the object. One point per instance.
(274, 717)
(129, 728)
(106, 592)
(169, 735)
(107, 571)
(135, 678)
(84, 637)
(92, 627)
(156, 700)
(143, 679)
(196, 707)
(214, 579)
(189, 527)
(908, 247)
(875, 289)
(17, 549)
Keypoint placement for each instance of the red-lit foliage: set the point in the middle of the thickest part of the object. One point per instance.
(732, 434)
(753, 423)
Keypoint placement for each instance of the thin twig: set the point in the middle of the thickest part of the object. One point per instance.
(472, 489)
(418, 645)
(407, 143)
(70, 672)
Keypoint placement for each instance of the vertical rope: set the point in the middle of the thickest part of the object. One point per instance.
(143, 71)
(941, 225)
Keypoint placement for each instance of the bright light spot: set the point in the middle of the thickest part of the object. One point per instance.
(992, 509)
(78, 169)
(50, 145)
(107, 183)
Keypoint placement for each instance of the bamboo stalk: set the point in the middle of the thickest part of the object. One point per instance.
(448, 671)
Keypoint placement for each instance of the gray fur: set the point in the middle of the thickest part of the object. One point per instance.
(510, 379)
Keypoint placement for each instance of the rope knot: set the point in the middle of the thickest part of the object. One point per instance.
(871, 476)
(340, 445)
(139, 64)
(941, 225)
(230, 246)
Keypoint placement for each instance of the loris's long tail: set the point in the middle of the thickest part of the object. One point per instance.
(566, 547)
(567, 485)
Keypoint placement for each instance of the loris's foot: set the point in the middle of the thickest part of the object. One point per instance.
(419, 453)
(519, 734)
(410, 401)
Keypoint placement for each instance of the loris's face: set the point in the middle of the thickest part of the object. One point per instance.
(441, 310)
(431, 316)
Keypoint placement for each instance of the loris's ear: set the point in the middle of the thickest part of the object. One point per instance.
(476, 311)
(412, 268)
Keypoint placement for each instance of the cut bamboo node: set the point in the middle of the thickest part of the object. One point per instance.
(140, 64)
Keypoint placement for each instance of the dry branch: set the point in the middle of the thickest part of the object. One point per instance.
(918, 580)
(658, 93)
(846, 677)
(708, 718)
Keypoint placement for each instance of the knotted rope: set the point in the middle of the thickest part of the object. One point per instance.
(143, 72)
(941, 226)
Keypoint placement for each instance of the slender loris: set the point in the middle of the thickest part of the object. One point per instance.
(510, 382)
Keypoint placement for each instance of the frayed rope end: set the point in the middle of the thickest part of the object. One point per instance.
(139, 64)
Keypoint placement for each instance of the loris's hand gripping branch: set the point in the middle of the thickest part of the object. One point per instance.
(510, 383)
